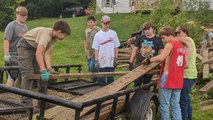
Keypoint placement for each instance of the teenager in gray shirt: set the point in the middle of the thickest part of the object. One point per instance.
(14, 31)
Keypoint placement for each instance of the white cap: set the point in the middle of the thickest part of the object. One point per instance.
(105, 19)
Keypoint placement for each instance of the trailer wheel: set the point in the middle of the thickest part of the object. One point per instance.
(143, 106)
(151, 111)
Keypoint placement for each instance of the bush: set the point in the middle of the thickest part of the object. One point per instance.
(7, 12)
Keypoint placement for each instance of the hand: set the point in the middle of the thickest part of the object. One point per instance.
(146, 61)
(52, 71)
(44, 75)
(97, 64)
(115, 63)
(131, 66)
(7, 57)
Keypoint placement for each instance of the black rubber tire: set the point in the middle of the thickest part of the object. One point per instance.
(141, 104)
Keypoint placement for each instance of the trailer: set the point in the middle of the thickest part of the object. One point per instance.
(120, 102)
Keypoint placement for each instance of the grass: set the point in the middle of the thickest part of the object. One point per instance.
(70, 50)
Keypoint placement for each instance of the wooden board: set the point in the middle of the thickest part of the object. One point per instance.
(56, 113)
(207, 87)
(80, 75)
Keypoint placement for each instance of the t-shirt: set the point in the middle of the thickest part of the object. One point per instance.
(13, 33)
(106, 42)
(40, 35)
(148, 47)
(191, 71)
(88, 37)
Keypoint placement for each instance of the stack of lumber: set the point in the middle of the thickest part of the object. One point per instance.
(124, 55)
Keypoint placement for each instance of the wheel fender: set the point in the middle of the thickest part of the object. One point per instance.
(139, 103)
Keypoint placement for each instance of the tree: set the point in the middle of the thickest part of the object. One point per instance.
(7, 11)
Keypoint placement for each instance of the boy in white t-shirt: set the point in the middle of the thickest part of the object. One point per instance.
(106, 45)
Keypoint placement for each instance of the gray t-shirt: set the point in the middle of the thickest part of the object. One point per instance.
(14, 32)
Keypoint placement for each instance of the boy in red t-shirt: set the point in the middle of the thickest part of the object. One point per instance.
(171, 82)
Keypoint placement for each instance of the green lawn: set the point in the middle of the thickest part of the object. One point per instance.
(70, 50)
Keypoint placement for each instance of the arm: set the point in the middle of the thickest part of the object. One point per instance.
(39, 57)
(134, 52)
(187, 44)
(166, 51)
(6, 45)
(85, 46)
(116, 52)
(47, 57)
(186, 62)
(96, 54)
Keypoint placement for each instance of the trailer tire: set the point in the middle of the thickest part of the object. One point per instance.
(143, 106)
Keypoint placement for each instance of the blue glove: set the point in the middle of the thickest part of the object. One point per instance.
(44, 75)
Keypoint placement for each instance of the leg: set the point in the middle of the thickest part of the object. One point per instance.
(102, 80)
(25, 61)
(175, 105)
(185, 104)
(92, 69)
(111, 78)
(164, 99)
(10, 81)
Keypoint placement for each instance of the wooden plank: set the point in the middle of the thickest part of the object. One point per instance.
(68, 114)
(199, 57)
(124, 55)
(125, 50)
(205, 66)
(207, 87)
(207, 108)
(80, 75)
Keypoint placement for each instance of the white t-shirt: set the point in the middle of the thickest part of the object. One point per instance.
(106, 42)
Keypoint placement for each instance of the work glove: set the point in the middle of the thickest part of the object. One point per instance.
(44, 75)
(115, 63)
(7, 57)
(97, 64)
(52, 71)
(131, 66)
(146, 61)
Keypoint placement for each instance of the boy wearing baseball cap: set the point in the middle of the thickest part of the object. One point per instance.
(106, 45)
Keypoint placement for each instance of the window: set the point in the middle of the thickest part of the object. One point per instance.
(106, 3)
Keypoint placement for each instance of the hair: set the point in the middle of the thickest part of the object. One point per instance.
(147, 25)
(167, 31)
(91, 18)
(63, 26)
(21, 10)
(184, 29)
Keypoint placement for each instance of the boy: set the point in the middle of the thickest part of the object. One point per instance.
(34, 54)
(88, 40)
(13, 33)
(106, 45)
(171, 82)
(145, 47)
(190, 74)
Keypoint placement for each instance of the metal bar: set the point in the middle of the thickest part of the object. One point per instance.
(77, 115)
(67, 71)
(127, 99)
(114, 108)
(97, 111)
(38, 96)
(30, 114)
(15, 110)
(1, 76)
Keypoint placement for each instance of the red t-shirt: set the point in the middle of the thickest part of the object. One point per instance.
(176, 68)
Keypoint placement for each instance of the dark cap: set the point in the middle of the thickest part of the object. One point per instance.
(147, 25)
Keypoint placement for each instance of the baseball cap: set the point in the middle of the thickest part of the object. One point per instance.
(105, 19)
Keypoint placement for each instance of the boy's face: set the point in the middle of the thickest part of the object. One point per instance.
(165, 38)
(148, 31)
(59, 35)
(90, 24)
(21, 17)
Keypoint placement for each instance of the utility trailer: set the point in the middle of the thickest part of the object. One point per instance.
(134, 103)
